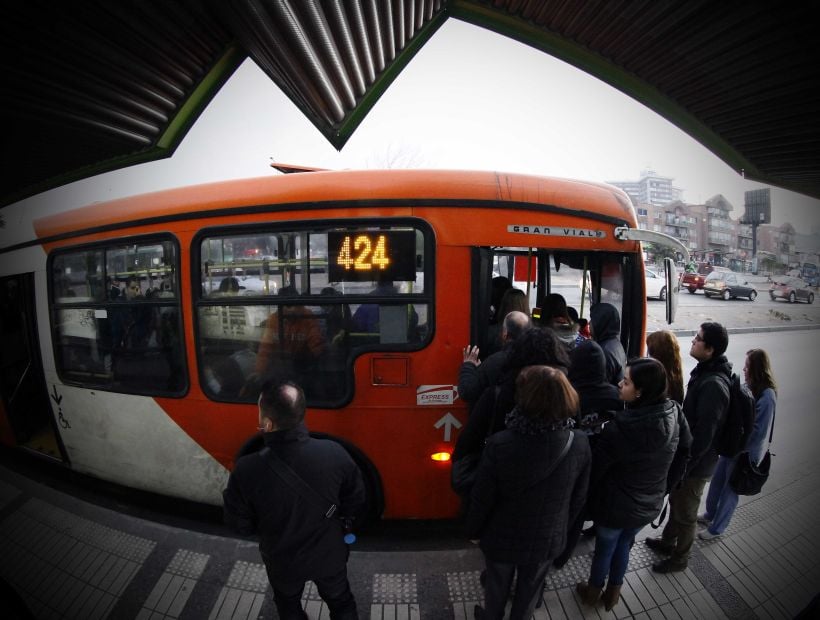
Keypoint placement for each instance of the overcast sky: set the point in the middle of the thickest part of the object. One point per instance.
(469, 99)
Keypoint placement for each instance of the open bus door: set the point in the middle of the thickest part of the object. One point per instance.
(25, 414)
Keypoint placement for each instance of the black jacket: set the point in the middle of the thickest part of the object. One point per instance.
(606, 331)
(630, 464)
(487, 415)
(473, 380)
(587, 374)
(705, 406)
(520, 518)
(295, 538)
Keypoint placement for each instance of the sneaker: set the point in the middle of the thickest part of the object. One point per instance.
(704, 519)
(660, 545)
(707, 535)
(668, 566)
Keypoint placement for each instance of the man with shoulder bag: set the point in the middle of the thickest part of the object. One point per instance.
(298, 494)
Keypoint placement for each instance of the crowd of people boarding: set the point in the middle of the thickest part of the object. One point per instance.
(564, 430)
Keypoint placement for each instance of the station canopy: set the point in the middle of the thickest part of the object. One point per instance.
(93, 85)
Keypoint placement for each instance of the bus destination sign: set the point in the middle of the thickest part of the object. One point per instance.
(359, 256)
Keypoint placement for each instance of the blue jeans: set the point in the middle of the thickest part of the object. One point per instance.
(611, 555)
(721, 501)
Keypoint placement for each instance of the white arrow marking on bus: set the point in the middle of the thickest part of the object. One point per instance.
(448, 422)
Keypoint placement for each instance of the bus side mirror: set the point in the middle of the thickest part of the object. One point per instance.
(672, 289)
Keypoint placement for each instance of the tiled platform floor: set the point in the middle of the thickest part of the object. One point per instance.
(72, 561)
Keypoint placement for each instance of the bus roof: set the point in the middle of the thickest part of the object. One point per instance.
(334, 187)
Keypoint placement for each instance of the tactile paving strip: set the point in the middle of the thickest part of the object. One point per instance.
(394, 588)
(187, 564)
(465, 586)
(100, 536)
(248, 576)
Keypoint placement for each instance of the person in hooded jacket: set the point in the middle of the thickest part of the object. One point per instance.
(605, 326)
(599, 401)
(532, 481)
(630, 464)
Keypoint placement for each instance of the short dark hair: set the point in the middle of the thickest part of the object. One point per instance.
(716, 337)
(535, 346)
(544, 392)
(649, 376)
(283, 403)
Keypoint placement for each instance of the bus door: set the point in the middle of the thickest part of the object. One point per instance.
(25, 419)
(582, 278)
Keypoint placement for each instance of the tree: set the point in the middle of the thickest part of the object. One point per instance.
(660, 252)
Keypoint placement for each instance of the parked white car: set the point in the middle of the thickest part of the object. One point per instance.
(655, 285)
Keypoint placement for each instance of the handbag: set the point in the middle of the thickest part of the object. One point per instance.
(748, 478)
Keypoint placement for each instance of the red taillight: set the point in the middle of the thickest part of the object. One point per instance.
(440, 456)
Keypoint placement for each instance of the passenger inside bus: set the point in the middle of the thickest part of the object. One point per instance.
(229, 286)
(513, 300)
(389, 323)
(554, 314)
(291, 343)
(498, 286)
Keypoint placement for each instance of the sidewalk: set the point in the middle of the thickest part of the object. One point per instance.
(69, 559)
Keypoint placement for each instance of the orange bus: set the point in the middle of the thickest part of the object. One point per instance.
(137, 331)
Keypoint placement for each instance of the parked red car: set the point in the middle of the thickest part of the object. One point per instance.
(792, 289)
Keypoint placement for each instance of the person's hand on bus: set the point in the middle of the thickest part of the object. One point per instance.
(471, 355)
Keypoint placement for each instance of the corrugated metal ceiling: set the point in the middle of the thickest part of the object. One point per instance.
(95, 84)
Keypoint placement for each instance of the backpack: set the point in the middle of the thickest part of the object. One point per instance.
(740, 419)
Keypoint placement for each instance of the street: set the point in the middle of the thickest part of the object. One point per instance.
(694, 309)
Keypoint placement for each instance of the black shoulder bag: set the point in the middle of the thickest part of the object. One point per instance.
(748, 478)
(295, 482)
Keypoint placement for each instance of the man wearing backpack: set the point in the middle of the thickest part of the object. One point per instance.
(705, 407)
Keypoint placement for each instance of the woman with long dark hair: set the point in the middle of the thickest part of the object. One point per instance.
(630, 463)
(721, 500)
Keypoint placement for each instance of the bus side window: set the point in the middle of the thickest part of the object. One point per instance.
(126, 337)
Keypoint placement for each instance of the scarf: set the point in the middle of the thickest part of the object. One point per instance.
(526, 425)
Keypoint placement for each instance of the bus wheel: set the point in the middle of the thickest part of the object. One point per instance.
(374, 502)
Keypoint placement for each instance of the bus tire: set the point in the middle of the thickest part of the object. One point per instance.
(374, 493)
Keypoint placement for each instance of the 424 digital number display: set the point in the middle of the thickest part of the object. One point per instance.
(360, 256)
